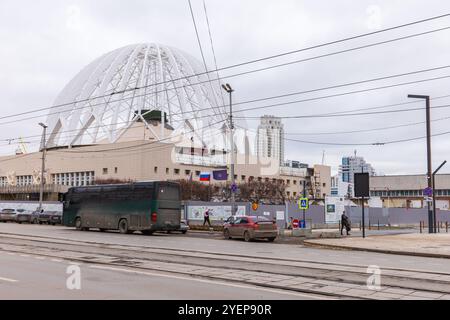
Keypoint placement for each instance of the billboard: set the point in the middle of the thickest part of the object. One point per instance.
(220, 213)
(334, 207)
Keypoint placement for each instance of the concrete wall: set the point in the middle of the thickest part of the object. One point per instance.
(316, 214)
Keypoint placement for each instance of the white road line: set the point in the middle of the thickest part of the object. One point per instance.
(209, 281)
(39, 258)
(8, 280)
(25, 255)
(56, 260)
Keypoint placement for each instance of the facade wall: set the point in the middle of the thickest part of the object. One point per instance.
(134, 160)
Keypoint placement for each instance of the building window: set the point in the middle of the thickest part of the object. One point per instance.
(155, 169)
(105, 170)
(295, 194)
(324, 185)
(167, 170)
(187, 172)
(288, 181)
(176, 171)
(197, 173)
(243, 178)
(116, 170)
(295, 182)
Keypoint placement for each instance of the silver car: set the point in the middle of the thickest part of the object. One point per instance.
(8, 215)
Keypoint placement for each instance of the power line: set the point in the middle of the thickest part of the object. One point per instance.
(338, 95)
(350, 114)
(239, 64)
(212, 47)
(140, 145)
(285, 95)
(363, 130)
(202, 54)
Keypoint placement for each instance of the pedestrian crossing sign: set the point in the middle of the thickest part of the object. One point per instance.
(303, 203)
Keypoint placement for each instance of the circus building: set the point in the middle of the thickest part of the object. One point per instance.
(141, 112)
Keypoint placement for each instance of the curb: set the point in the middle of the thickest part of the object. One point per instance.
(310, 244)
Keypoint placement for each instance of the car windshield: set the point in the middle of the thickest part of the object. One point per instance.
(260, 219)
(8, 211)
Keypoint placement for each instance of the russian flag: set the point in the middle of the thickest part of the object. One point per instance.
(205, 176)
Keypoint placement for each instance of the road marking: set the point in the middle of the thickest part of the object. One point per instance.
(56, 260)
(39, 258)
(8, 280)
(25, 255)
(209, 281)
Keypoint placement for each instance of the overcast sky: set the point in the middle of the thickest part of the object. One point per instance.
(44, 44)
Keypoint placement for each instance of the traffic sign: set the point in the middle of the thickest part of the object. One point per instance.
(295, 224)
(234, 188)
(428, 191)
(255, 206)
(303, 203)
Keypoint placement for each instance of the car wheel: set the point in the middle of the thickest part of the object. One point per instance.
(271, 239)
(35, 221)
(19, 222)
(123, 226)
(102, 230)
(226, 234)
(147, 232)
(184, 231)
(247, 236)
(78, 224)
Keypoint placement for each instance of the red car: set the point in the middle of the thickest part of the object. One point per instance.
(250, 227)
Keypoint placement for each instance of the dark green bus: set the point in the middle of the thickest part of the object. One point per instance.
(141, 206)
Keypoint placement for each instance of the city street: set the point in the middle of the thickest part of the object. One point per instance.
(34, 260)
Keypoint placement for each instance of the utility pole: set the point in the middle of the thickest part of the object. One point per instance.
(43, 148)
(229, 90)
(434, 194)
(429, 169)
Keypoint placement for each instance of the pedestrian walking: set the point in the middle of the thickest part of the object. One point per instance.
(345, 223)
(206, 218)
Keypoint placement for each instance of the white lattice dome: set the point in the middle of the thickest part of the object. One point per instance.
(125, 85)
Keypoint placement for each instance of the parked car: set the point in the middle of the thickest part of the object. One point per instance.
(250, 227)
(8, 215)
(23, 216)
(48, 217)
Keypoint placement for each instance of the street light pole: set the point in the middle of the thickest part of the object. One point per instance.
(429, 170)
(43, 148)
(228, 89)
(434, 194)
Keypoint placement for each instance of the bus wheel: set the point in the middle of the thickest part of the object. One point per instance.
(147, 232)
(78, 224)
(123, 226)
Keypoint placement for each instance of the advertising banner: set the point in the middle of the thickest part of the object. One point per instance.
(215, 212)
(334, 207)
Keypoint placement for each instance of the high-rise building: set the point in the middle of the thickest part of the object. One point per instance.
(270, 138)
(352, 165)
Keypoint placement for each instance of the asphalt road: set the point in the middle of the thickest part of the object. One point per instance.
(34, 261)
(29, 277)
(259, 248)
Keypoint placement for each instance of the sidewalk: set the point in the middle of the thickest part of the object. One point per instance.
(415, 244)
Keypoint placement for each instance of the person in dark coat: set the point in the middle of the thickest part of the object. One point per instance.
(206, 218)
(345, 223)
